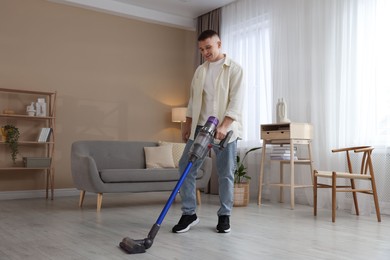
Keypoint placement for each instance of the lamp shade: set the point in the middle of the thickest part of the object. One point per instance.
(179, 114)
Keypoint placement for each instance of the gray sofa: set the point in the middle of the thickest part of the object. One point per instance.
(119, 166)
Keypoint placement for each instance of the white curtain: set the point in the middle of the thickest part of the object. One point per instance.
(329, 60)
(246, 38)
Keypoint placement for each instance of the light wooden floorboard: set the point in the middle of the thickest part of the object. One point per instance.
(58, 229)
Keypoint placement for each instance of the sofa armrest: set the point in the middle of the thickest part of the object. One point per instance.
(85, 173)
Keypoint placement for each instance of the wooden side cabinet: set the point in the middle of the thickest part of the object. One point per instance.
(35, 154)
(291, 134)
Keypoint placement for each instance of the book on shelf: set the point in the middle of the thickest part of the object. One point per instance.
(44, 135)
(282, 148)
(282, 153)
(282, 157)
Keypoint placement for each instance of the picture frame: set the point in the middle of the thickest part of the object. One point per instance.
(44, 135)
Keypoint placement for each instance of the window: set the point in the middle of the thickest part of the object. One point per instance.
(247, 41)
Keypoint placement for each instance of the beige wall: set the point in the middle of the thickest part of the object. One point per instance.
(116, 78)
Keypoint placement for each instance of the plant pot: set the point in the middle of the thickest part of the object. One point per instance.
(241, 194)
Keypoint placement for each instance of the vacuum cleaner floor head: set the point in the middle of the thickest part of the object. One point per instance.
(131, 246)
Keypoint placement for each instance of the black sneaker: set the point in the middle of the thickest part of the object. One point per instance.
(223, 224)
(185, 223)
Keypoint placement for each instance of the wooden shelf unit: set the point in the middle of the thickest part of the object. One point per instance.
(291, 134)
(28, 139)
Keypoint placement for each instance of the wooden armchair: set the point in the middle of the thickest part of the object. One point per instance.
(366, 174)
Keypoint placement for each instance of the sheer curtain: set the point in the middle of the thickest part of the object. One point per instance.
(245, 37)
(328, 59)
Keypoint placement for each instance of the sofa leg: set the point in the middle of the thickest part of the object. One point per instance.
(99, 201)
(81, 200)
(198, 200)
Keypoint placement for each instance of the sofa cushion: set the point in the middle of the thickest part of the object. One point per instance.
(159, 157)
(177, 151)
(142, 175)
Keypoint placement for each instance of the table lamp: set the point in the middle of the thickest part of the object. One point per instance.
(179, 115)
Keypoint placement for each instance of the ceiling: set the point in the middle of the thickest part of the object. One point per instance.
(175, 13)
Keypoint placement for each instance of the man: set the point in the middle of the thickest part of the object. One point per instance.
(216, 90)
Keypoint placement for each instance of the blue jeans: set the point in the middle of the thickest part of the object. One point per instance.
(226, 165)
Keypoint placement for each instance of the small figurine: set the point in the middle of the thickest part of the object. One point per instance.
(30, 109)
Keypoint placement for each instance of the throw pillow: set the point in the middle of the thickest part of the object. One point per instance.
(177, 151)
(159, 157)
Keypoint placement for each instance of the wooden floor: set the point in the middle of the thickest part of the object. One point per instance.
(44, 229)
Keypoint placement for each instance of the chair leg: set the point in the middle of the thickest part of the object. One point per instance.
(355, 201)
(315, 193)
(333, 197)
(81, 200)
(99, 201)
(376, 201)
(198, 199)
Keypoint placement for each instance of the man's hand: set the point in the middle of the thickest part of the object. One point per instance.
(186, 131)
(222, 129)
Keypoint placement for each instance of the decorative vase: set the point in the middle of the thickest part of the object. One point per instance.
(281, 112)
(241, 194)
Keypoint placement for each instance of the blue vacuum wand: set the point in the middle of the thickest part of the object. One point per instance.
(199, 149)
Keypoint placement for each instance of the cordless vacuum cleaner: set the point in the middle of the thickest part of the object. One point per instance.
(202, 144)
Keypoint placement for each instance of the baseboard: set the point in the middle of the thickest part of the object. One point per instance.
(30, 194)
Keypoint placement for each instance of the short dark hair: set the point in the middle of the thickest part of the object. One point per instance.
(207, 34)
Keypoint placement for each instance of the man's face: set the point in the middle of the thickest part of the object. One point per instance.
(210, 49)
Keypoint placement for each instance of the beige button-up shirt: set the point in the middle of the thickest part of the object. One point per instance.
(228, 98)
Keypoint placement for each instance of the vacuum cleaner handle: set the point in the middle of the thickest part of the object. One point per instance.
(224, 142)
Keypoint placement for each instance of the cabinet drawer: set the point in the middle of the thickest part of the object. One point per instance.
(279, 134)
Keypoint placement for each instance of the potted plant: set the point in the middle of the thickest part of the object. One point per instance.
(241, 181)
(12, 134)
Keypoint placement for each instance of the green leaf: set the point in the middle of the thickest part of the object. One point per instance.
(12, 136)
(241, 172)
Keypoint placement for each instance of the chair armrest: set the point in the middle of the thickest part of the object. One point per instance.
(349, 149)
(364, 149)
